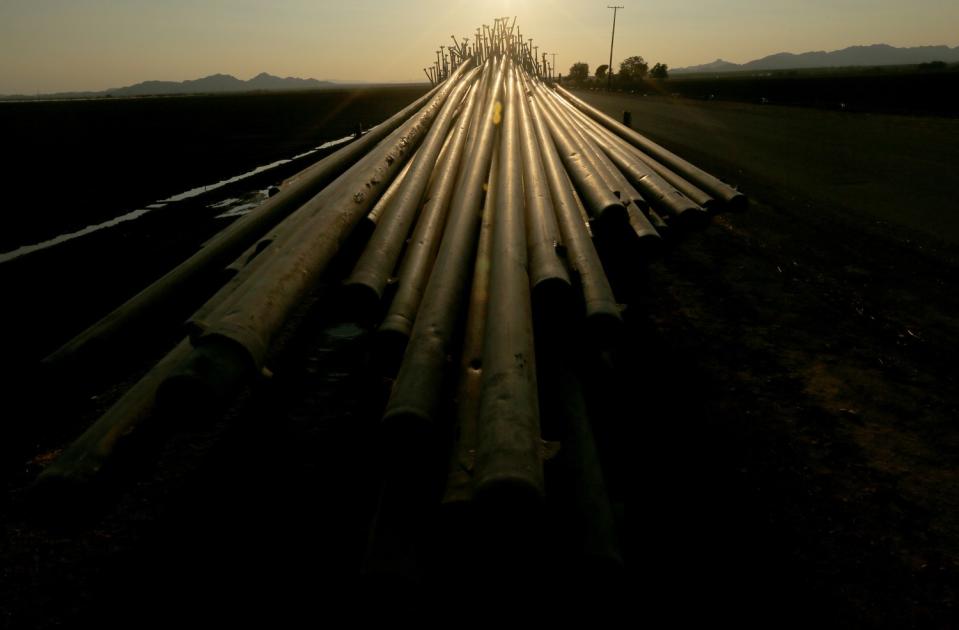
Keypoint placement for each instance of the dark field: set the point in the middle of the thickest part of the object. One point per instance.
(72, 163)
(779, 435)
(897, 90)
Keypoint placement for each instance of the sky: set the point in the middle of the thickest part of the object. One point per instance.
(64, 45)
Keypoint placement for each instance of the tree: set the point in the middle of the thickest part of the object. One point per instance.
(601, 72)
(578, 72)
(633, 69)
(660, 71)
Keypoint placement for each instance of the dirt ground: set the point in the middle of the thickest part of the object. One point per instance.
(777, 430)
(815, 334)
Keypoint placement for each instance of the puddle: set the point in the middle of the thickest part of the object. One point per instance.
(63, 238)
(237, 207)
(226, 203)
(234, 207)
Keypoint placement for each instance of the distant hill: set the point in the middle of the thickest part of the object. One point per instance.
(875, 55)
(720, 65)
(219, 83)
(213, 84)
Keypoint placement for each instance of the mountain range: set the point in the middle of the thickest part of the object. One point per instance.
(213, 84)
(220, 83)
(875, 55)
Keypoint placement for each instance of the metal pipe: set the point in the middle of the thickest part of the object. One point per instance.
(580, 474)
(549, 280)
(646, 235)
(406, 498)
(644, 230)
(381, 208)
(660, 192)
(639, 231)
(602, 312)
(82, 461)
(195, 271)
(579, 203)
(620, 182)
(414, 405)
(284, 236)
(241, 329)
(603, 205)
(489, 67)
(661, 226)
(727, 194)
(290, 234)
(696, 195)
(393, 334)
(242, 269)
(368, 225)
(459, 482)
(509, 466)
(616, 184)
(378, 261)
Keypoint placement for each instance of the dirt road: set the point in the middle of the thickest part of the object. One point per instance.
(870, 167)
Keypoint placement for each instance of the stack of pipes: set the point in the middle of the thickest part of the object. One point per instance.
(490, 202)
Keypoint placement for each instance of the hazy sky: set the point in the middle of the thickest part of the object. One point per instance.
(60, 45)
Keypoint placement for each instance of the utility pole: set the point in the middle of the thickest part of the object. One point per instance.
(609, 70)
(553, 67)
